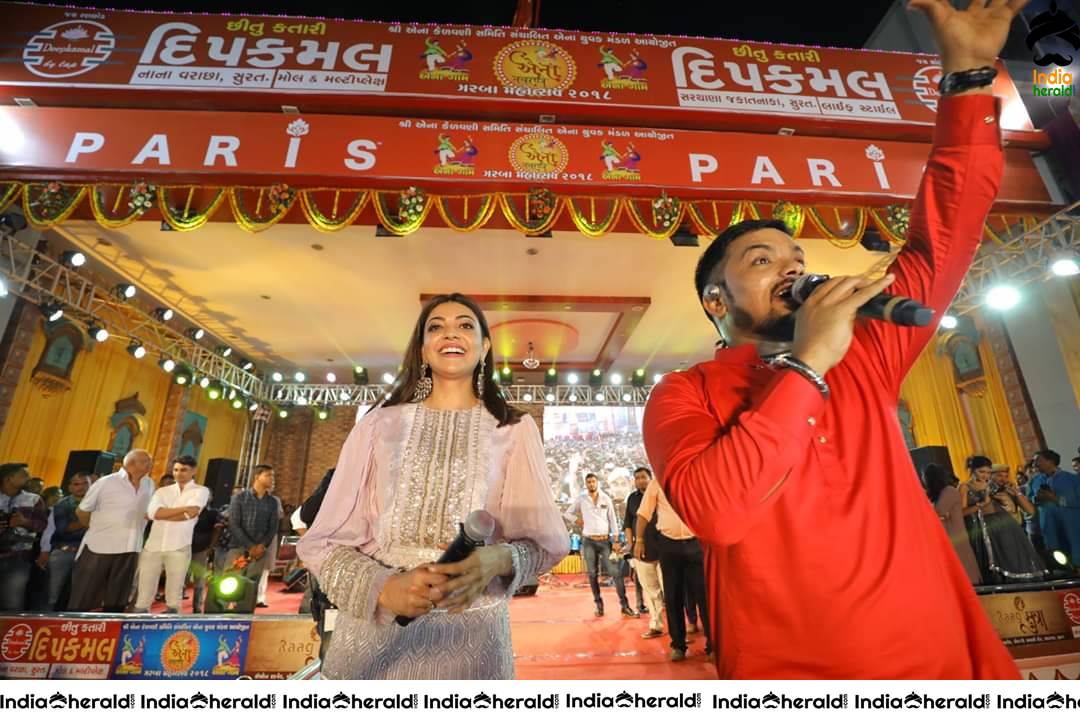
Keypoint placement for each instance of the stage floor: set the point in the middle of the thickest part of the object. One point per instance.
(556, 636)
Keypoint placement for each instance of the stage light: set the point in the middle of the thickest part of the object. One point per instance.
(253, 406)
(72, 258)
(248, 365)
(163, 314)
(359, 375)
(550, 397)
(52, 311)
(3, 288)
(215, 390)
(551, 377)
(616, 378)
(277, 377)
(204, 382)
(598, 397)
(124, 291)
(182, 376)
(527, 397)
(225, 351)
(231, 592)
(302, 400)
(283, 413)
(627, 397)
(387, 378)
(657, 378)
(228, 586)
(638, 378)
(572, 397)
(136, 349)
(1003, 297)
(167, 364)
(949, 322)
(1065, 267)
(331, 377)
(195, 334)
(232, 394)
(1061, 558)
(322, 413)
(97, 332)
(237, 404)
(572, 379)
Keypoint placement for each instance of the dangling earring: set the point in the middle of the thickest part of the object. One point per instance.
(423, 385)
(480, 381)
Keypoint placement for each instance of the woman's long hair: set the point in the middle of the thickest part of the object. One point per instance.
(978, 461)
(405, 386)
(935, 480)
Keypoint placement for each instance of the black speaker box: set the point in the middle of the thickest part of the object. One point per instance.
(220, 479)
(91, 462)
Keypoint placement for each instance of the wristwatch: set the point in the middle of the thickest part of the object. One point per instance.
(954, 82)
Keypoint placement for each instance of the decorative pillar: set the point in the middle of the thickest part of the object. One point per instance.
(169, 439)
(14, 352)
(1020, 406)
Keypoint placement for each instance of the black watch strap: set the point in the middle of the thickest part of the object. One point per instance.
(955, 82)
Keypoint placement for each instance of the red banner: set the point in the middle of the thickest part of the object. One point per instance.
(59, 648)
(641, 80)
(48, 142)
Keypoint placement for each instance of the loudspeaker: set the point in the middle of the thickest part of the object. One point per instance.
(220, 479)
(935, 454)
(91, 462)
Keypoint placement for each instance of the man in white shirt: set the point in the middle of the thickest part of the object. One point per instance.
(174, 511)
(114, 510)
(594, 512)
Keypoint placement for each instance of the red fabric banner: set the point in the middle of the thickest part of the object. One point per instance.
(344, 150)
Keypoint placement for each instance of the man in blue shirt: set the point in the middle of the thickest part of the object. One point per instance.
(1056, 493)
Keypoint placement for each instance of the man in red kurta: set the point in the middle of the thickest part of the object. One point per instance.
(824, 558)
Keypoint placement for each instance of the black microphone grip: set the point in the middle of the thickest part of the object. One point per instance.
(460, 549)
(896, 309)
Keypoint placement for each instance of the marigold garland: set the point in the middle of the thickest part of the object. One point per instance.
(487, 208)
(336, 221)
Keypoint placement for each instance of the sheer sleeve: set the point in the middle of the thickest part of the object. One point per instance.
(528, 519)
(331, 548)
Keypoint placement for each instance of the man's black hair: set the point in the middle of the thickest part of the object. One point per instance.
(714, 254)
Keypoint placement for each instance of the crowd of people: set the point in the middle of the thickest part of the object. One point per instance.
(103, 543)
(1010, 527)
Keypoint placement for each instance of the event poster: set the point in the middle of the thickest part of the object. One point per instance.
(181, 650)
(57, 648)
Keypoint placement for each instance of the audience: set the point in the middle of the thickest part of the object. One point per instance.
(22, 519)
(61, 541)
(1056, 492)
(950, 510)
(253, 522)
(1002, 549)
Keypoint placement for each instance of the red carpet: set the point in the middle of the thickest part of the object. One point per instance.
(556, 636)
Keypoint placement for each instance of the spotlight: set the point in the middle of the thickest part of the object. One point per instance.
(14, 222)
(204, 382)
(277, 377)
(616, 379)
(248, 365)
(551, 377)
(124, 291)
(283, 413)
(3, 288)
(231, 592)
(550, 397)
(1003, 297)
(684, 237)
(638, 379)
(1065, 267)
(627, 397)
(214, 390)
(195, 333)
(182, 375)
(506, 370)
(505, 378)
(657, 378)
(596, 378)
(237, 403)
(527, 397)
(97, 332)
(52, 311)
(322, 413)
(359, 375)
(299, 376)
(253, 406)
(225, 351)
(232, 394)
(387, 378)
(331, 377)
(136, 349)
(949, 322)
(572, 398)
(167, 364)
(1060, 558)
(572, 379)
(163, 314)
(598, 397)
(72, 258)
(302, 401)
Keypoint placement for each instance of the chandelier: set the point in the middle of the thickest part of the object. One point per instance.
(530, 362)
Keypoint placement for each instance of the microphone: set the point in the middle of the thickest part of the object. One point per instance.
(478, 527)
(890, 308)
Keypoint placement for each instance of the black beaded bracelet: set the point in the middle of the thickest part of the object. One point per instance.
(955, 82)
(793, 363)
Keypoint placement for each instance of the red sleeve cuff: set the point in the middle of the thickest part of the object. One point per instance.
(968, 120)
(794, 403)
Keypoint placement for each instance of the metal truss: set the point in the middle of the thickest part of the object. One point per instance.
(1024, 258)
(320, 395)
(323, 395)
(38, 278)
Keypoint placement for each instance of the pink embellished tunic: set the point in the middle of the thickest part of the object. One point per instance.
(406, 477)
